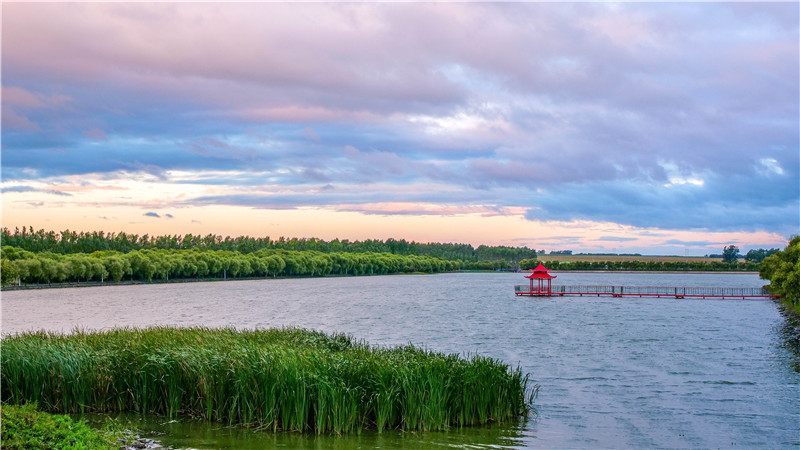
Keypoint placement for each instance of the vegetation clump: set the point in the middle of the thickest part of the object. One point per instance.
(279, 379)
(782, 269)
(23, 427)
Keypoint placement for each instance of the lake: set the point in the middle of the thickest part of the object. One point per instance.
(614, 372)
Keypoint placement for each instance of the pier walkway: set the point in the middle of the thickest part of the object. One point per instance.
(642, 291)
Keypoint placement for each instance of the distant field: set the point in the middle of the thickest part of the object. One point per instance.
(615, 258)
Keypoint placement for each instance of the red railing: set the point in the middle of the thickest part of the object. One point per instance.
(646, 291)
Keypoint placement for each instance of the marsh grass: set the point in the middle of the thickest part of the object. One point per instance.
(278, 379)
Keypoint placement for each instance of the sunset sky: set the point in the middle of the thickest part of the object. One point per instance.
(596, 127)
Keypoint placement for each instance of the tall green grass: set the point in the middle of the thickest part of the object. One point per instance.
(279, 379)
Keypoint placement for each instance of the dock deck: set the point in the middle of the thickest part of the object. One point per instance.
(644, 291)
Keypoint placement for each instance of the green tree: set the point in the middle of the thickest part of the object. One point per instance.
(758, 255)
(8, 274)
(29, 270)
(117, 267)
(276, 265)
(730, 254)
(782, 269)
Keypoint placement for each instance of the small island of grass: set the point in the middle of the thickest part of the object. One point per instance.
(279, 379)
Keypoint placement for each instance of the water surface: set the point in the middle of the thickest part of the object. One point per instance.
(614, 372)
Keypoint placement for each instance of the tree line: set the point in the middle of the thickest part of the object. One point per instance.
(644, 266)
(68, 242)
(22, 266)
(730, 254)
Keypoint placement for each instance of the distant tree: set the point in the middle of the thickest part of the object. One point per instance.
(730, 254)
(758, 255)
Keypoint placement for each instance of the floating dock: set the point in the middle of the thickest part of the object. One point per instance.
(643, 291)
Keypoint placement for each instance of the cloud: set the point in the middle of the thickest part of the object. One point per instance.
(689, 243)
(169, 216)
(650, 115)
(718, 205)
(559, 241)
(151, 214)
(21, 189)
(426, 209)
(22, 109)
(769, 166)
(15, 121)
(96, 134)
(617, 238)
(311, 134)
(19, 97)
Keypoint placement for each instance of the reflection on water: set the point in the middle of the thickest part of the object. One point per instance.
(614, 373)
(187, 433)
(790, 341)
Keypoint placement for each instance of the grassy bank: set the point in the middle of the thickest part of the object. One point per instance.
(23, 427)
(286, 379)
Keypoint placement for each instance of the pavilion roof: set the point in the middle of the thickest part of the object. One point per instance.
(541, 268)
(540, 272)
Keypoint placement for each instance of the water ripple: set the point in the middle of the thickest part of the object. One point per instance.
(614, 373)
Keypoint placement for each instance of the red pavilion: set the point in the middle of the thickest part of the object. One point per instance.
(540, 275)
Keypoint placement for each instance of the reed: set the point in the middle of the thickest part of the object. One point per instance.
(279, 379)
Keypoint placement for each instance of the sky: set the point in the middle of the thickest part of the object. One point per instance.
(654, 128)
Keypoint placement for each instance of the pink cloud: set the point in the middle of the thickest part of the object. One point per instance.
(17, 96)
(296, 113)
(96, 134)
(17, 99)
(86, 188)
(15, 121)
(23, 98)
(310, 134)
(182, 50)
(310, 61)
(429, 209)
